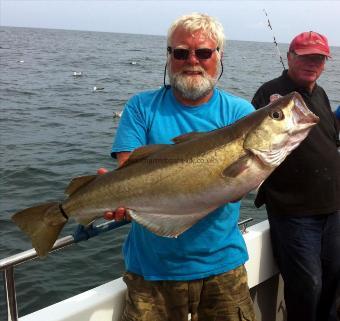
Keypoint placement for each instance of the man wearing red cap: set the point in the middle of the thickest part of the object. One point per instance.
(302, 196)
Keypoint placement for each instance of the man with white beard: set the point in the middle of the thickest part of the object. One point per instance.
(201, 272)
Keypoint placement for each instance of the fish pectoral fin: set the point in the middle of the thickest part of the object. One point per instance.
(236, 168)
(78, 182)
(186, 137)
(143, 152)
(42, 224)
(167, 225)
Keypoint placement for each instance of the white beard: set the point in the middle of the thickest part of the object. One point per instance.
(192, 88)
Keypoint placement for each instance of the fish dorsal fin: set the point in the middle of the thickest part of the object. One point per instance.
(143, 152)
(186, 137)
(79, 182)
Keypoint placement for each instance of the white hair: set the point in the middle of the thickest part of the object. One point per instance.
(199, 21)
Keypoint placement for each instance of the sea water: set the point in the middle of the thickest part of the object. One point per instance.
(59, 92)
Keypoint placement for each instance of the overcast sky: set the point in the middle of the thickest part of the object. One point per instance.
(242, 20)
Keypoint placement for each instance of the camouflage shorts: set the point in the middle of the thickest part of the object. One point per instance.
(223, 297)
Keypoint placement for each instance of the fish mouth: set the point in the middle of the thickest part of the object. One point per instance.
(302, 122)
(296, 122)
(303, 118)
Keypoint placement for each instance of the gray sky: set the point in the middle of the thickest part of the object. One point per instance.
(242, 20)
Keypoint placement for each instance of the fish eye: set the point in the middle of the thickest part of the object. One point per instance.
(277, 114)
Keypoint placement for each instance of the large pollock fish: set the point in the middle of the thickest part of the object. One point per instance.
(168, 188)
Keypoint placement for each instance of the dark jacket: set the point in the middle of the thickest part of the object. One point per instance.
(308, 181)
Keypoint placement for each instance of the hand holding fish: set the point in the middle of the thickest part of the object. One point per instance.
(274, 97)
(120, 213)
(102, 171)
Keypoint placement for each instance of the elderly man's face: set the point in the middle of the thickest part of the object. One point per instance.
(306, 69)
(193, 77)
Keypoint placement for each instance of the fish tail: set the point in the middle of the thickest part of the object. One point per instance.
(42, 224)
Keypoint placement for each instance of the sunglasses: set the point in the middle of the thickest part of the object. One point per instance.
(183, 54)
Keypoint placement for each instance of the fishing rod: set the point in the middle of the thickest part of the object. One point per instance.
(275, 42)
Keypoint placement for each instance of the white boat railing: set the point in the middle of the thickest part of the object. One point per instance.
(8, 264)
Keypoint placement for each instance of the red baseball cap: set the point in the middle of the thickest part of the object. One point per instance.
(308, 43)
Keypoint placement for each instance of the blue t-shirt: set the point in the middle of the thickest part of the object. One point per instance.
(337, 113)
(212, 246)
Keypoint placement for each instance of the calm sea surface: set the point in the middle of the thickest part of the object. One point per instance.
(54, 126)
